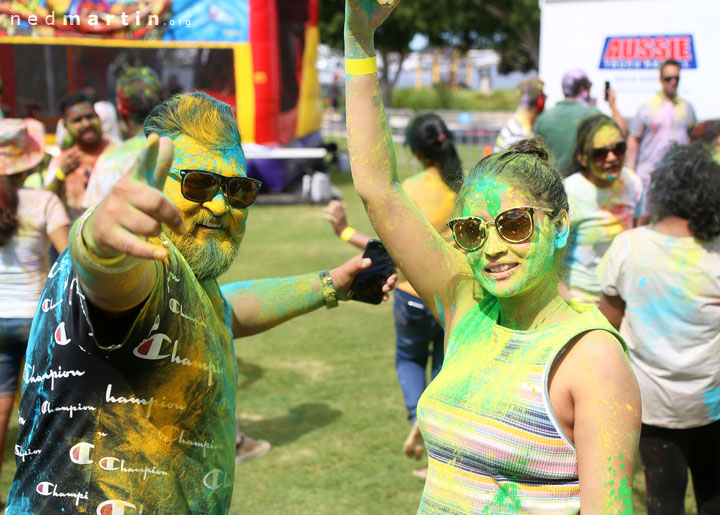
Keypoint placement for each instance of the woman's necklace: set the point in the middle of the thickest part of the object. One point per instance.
(538, 325)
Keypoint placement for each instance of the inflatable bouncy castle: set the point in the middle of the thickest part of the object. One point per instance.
(256, 55)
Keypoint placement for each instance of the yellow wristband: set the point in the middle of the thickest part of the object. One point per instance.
(347, 233)
(365, 66)
(60, 175)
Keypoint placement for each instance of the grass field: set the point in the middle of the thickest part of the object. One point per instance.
(322, 389)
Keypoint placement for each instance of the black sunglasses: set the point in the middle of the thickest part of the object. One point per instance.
(202, 186)
(671, 77)
(600, 154)
(515, 225)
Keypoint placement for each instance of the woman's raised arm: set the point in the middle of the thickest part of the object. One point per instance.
(430, 264)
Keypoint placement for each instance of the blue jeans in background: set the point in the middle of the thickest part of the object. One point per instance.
(416, 330)
(14, 334)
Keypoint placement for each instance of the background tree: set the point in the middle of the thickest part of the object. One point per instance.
(392, 43)
(510, 27)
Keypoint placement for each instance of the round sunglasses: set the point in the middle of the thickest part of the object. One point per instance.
(515, 225)
(202, 186)
(600, 154)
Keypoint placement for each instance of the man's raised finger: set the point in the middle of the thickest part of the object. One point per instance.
(124, 241)
(144, 167)
(156, 205)
(164, 162)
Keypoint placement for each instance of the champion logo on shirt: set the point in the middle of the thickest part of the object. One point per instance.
(151, 347)
(214, 479)
(114, 507)
(47, 488)
(60, 335)
(80, 453)
(47, 305)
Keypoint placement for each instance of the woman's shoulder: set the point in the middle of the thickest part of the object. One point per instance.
(594, 358)
(31, 199)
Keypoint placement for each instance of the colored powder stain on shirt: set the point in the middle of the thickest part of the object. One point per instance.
(506, 501)
(487, 422)
(154, 419)
(712, 402)
(678, 333)
(597, 216)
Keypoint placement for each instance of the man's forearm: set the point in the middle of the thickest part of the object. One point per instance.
(262, 304)
(114, 285)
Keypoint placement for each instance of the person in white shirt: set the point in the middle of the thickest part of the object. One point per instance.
(661, 289)
(532, 103)
(604, 197)
(30, 220)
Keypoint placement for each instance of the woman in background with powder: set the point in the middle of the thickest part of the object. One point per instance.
(536, 408)
(418, 336)
(30, 220)
(605, 199)
(661, 289)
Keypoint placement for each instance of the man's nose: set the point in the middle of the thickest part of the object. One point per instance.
(218, 205)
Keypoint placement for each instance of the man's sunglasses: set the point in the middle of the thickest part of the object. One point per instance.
(201, 186)
(671, 77)
(600, 154)
(515, 225)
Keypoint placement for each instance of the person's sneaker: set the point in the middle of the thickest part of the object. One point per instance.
(247, 448)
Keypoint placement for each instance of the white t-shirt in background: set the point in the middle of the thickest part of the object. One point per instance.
(597, 216)
(671, 289)
(24, 261)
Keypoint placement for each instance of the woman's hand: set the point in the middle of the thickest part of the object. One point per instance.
(335, 214)
(362, 17)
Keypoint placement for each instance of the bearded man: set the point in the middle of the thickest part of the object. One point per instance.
(129, 386)
(68, 173)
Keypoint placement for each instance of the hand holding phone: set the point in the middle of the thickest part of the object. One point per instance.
(607, 90)
(367, 285)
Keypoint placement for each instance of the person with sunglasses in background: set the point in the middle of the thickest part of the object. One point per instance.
(536, 409)
(605, 199)
(661, 121)
(661, 290)
(130, 375)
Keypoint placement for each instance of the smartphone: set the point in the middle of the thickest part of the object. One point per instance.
(607, 88)
(367, 285)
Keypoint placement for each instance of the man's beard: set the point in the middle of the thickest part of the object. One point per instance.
(211, 258)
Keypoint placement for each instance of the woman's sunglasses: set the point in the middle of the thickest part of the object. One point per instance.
(515, 225)
(201, 186)
(600, 154)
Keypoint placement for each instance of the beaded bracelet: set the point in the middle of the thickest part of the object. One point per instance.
(328, 290)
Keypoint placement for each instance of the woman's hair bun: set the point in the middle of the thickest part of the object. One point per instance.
(535, 146)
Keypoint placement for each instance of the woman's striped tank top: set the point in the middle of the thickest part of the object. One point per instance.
(494, 444)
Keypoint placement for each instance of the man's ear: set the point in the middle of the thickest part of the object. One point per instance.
(562, 230)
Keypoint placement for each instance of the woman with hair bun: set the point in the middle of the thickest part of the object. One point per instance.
(418, 336)
(536, 408)
(661, 289)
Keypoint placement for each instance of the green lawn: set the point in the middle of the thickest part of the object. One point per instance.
(322, 389)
